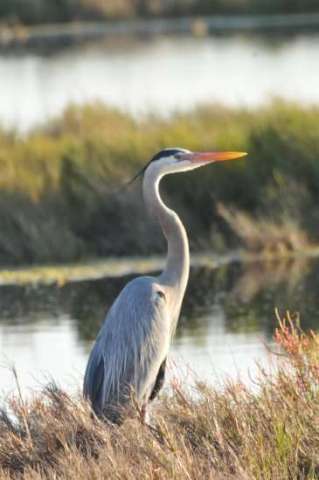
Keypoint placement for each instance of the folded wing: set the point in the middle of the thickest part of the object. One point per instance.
(130, 348)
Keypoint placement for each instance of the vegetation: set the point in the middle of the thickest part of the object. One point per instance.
(60, 186)
(281, 236)
(43, 11)
(233, 433)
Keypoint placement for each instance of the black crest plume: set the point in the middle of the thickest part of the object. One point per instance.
(167, 152)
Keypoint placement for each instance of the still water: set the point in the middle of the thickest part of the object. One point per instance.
(160, 74)
(226, 323)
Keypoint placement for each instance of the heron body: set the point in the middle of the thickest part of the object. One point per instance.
(129, 355)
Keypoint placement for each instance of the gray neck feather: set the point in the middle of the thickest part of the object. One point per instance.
(175, 275)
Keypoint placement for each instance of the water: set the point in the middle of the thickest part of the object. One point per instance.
(162, 74)
(226, 323)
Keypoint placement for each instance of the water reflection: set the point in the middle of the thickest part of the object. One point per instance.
(157, 77)
(261, 287)
(227, 315)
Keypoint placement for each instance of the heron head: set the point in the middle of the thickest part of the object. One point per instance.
(171, 160)
(179, 159)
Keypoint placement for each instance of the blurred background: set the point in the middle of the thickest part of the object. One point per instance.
(89, 90)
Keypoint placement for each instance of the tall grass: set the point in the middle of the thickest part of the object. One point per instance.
(232, 433)
(59, 186)
(273, 237)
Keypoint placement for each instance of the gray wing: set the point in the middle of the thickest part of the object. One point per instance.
(130, 348)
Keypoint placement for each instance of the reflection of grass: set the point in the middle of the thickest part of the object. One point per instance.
(231, 434)
(267, 274)
(262, 285)
(59, 198)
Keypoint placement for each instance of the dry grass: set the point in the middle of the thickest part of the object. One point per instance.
(230, 434)
(267, 236)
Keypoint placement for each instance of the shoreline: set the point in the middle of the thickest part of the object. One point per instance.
(113, 267)
(21, 36)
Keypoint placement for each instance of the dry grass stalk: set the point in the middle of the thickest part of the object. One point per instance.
(271, 237)
(231, 434)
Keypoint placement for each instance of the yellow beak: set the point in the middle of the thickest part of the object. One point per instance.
(213, 156)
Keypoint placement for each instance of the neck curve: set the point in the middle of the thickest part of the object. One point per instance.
(176, 272)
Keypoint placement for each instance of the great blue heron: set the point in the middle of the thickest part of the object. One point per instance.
(129, 355)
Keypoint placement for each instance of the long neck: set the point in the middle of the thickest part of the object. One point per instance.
(176, 272)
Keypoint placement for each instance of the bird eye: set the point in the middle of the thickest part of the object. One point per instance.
(161, 294)
(180, 156)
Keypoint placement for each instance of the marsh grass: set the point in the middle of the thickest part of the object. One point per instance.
(267, 236)
(61, 195)
(232, 433)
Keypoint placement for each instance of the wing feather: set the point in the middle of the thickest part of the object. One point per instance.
(130, 348)
(93, 381)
